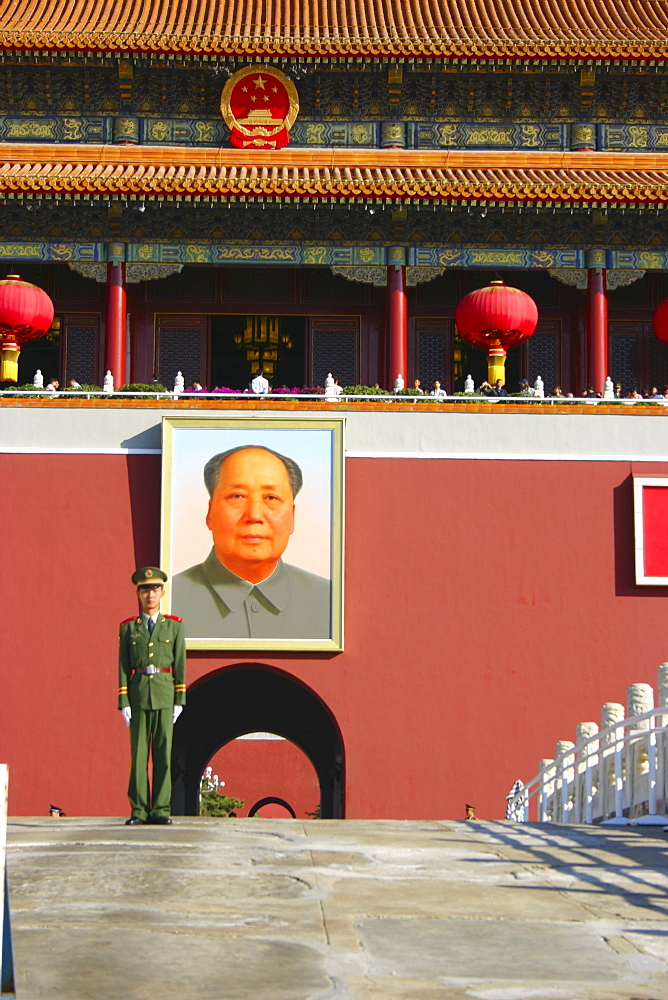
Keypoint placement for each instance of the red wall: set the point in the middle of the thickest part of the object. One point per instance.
(490, 607)
(257, 769)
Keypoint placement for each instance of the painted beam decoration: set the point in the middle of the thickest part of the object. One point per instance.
(259, 105)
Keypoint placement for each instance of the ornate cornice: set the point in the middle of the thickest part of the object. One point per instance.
(366, 275)
(420, 275)
(134, 273)
(577, 277)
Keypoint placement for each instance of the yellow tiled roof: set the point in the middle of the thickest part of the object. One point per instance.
(514, 29)
(339, 174)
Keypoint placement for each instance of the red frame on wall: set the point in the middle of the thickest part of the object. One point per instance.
(650, 508)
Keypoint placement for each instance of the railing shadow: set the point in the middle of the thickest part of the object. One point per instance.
(616, 858)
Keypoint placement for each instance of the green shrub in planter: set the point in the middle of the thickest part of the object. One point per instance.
(364, 390)
(28, 387)
(414, 396)
(83, 388)
(142, 387)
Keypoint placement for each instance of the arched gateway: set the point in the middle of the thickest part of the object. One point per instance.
(250, 698)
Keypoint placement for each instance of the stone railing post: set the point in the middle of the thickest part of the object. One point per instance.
(565, 759)
(546, 793)
(609, 794)
(639, 782)
(587, 772)
(662, 741)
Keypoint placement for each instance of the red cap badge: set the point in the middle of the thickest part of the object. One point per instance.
(259, 105)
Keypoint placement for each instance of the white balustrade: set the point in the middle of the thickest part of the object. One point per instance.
(615, 774)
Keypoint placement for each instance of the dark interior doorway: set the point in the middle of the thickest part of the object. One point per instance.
(253, 698)
(229, 366)
(42, 354)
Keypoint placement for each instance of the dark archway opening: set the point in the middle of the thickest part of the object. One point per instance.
(254, 698)
(230, 367)
(272, 799)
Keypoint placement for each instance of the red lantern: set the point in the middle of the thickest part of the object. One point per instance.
(496, 318)
(26, 313)
(661, 321)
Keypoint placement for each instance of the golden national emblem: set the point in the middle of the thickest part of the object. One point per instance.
(259, 106)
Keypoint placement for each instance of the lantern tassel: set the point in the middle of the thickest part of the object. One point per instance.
(496, 364)
(9, 362)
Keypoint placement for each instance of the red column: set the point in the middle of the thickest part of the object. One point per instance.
(114, 341)
(398, 322)
(597, 327)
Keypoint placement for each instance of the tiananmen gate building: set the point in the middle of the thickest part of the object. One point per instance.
(216, 189)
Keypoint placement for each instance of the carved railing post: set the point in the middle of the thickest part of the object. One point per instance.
(640, 755)
(564, 760)
(662, 741)
(587, 772)
(609, 792)
(546, 791)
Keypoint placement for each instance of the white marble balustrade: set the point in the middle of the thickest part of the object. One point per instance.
(613, 773)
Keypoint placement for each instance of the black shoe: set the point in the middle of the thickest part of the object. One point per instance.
(134, 821)
(160, 820)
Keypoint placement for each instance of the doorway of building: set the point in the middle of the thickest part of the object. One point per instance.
(234, 360)
(249, 699)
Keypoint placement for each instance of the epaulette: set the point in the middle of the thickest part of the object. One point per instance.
(175, 618)
(128, 620)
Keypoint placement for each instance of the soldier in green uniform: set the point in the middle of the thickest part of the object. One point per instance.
(151, 695)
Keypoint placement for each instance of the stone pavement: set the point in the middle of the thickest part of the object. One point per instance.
(268, 909)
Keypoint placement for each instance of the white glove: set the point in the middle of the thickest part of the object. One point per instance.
(177, 711)
(127, 715)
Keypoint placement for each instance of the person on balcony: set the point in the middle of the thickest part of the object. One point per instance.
(493, 390)
(260, 385)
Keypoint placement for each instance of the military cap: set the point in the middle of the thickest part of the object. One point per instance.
(147, 575)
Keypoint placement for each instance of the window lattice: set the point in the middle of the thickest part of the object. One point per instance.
(625, 362)
(543, 359)
(335, 351)
(431, 359)
(81, 360)
(180, 351)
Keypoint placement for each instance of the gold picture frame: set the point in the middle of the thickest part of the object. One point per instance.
(299, 606)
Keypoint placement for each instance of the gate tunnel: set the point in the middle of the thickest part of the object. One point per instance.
(255, 698)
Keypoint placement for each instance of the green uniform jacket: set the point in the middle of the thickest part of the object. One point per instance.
(166, 647)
